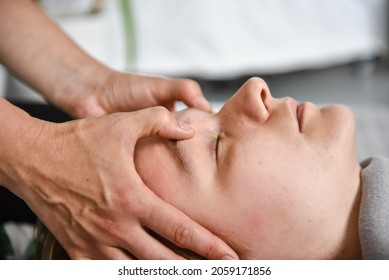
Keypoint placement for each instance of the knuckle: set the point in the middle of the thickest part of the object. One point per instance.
(182, 235)
(161, 113)
(111, 228)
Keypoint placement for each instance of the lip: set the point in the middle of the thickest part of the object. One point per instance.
(300, 114)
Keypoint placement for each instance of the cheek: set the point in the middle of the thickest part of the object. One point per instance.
(265, 190)
(156, 170)
(162, 175)
(333, 129)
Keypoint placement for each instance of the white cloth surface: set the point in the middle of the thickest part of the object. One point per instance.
(69, 7)
(222, 38)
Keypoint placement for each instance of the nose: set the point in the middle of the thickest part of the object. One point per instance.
(250, 101)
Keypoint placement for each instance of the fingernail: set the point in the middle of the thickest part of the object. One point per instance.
(202, 103)
(228, 258)
(185, 126)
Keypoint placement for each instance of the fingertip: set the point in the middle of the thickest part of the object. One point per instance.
(202, 103)
(178, 131)
(191, 94)
(223, 252)
(230, 258)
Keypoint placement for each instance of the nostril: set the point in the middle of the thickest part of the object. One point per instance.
(264, 97)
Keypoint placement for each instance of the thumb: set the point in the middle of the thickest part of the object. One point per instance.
(159, 121)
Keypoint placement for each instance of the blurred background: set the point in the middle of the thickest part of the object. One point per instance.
(322, 51)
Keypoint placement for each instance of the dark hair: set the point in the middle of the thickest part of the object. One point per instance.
(47, 246)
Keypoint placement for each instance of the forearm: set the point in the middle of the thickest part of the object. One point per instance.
(38, 52)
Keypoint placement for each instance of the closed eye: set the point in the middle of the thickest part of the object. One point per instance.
(217, 147)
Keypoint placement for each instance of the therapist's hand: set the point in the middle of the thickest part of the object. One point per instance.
(79, 178)
(123, 92)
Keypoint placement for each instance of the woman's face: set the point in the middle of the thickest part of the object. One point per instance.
(267, 175)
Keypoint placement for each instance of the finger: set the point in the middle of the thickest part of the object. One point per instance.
(147, 247)
(189, 92)
(185, 90)
(140, 243)
(176, 227)
(159, 121)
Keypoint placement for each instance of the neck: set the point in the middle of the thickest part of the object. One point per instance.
(351, 247)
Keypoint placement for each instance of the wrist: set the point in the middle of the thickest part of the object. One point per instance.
(20, 132)
(79, 87)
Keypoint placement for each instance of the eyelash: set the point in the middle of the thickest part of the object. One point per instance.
(217, 145)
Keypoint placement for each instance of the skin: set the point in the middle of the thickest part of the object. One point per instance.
(284, 183)
(60, 170)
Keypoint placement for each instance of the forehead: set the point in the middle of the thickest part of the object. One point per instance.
(193, 116)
